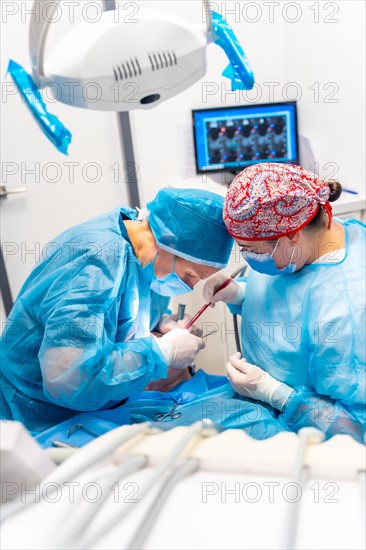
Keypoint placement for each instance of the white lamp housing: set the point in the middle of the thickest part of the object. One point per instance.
(120, 66)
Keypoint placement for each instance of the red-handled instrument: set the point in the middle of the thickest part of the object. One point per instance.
(203, 308)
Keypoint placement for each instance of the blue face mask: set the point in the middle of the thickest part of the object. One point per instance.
(169, 285)
(264, 263)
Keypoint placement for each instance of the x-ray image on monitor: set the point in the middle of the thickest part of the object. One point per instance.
(233, 138)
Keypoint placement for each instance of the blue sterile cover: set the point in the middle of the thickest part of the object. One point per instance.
(238, 70)
(50, 125)
(95, 422)
(205, 397)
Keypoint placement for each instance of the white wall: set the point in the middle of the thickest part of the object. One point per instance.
(315, 53)
(333, 55)
(54, 200)
(305, 52)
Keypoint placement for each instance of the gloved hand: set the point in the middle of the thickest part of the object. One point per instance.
(232, 294)
(170, 322)
(251, 381)
(179, 347)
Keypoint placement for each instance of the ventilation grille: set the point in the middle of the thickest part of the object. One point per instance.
(127, 69)
(158, 60)
(162, 60)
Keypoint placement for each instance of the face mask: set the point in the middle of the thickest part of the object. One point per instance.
(264, 263)
(169, 285)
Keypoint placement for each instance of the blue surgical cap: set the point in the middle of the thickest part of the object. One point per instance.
(189, 223)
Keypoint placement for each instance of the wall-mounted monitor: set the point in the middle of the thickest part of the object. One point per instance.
(229, 139)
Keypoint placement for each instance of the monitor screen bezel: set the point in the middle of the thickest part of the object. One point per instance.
(233, 108)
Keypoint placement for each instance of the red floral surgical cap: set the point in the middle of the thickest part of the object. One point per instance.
(270, 200)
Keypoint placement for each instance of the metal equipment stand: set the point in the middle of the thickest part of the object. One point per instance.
(124, 125)
(5, 291)
(4, 286)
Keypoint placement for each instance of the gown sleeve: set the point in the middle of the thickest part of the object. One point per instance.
(237, 309)
(83, 366)
(334, 339)
(307, 408)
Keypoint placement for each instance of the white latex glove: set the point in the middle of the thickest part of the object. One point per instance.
(169, 322)
(232, 294)
(252, 381)
(179, 347)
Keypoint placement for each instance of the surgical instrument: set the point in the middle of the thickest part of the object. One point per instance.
(56, 443)
(203, 308)
(152, 513)
(171, 414)
(191, 433)
(210, 333)
(87, 456)
(307, 437)
(81, 427)
(181, 312)
(130, 465)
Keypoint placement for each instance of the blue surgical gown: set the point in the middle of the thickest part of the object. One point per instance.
(307, 329)
(78, 336)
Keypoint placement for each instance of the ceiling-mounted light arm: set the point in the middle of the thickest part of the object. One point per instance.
(39, 27)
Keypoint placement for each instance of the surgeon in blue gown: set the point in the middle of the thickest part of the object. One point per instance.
(303, 304)
(79, 337)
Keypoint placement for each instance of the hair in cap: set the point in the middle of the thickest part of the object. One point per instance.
(271, 200)
(189, 223)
